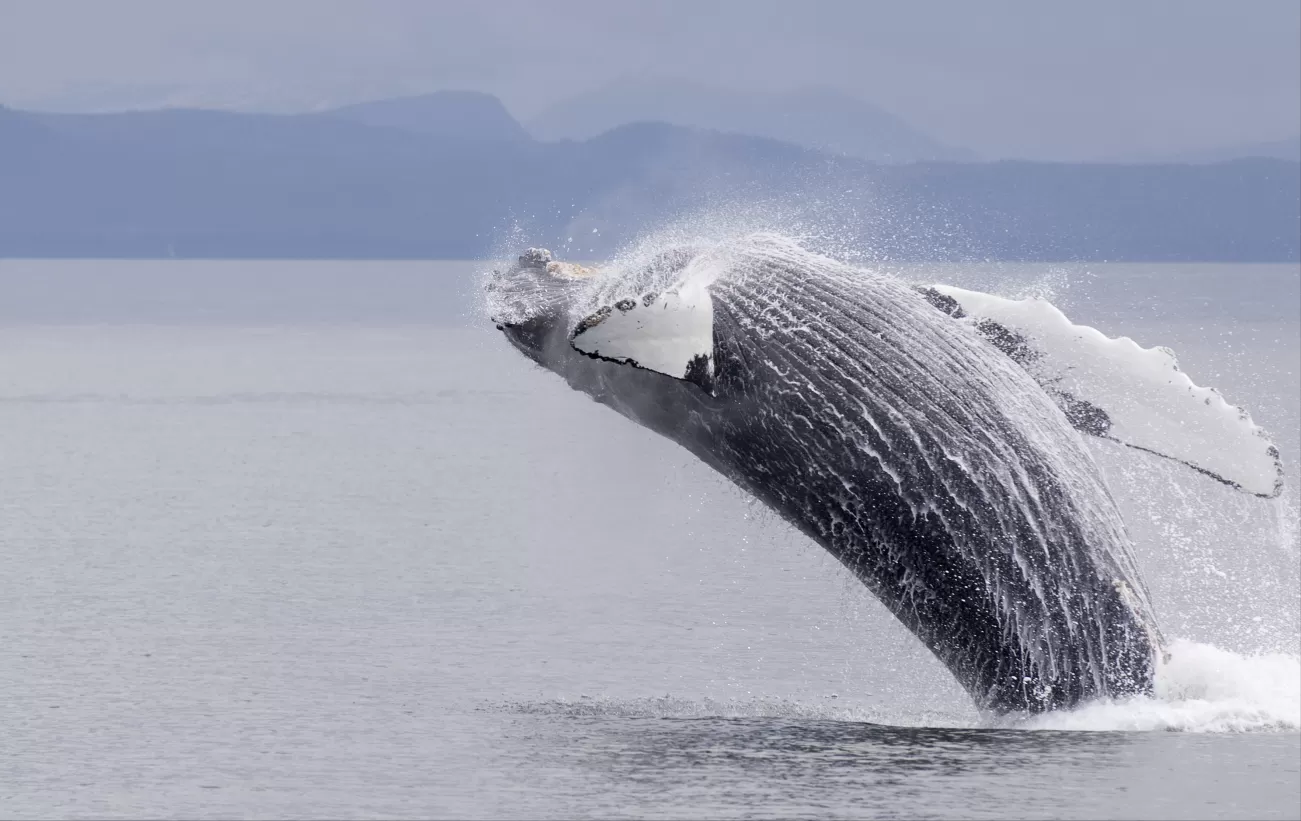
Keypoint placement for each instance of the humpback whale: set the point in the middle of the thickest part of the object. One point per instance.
(931, 439)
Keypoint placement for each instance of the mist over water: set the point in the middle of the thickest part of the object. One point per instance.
(288, 539)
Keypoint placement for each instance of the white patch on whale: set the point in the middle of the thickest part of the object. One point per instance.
(670, 333)
(1151, 404)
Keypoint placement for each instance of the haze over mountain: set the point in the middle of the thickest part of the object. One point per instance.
(468, 114)
(1286, 149)
(1004, 78)
(458, 115)
(195, 183)
(818, 118)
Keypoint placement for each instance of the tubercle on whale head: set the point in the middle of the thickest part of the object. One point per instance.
(528, 301)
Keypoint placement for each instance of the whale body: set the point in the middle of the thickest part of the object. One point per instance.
(928, 458)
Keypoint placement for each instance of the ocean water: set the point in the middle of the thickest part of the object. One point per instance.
(308, 540)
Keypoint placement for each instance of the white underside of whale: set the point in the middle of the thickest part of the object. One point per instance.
(661, 332)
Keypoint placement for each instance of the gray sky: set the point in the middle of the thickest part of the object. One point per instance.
(1051, 80)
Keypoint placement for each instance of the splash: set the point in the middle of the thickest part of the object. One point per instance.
(1203, 689)
(1199, 689)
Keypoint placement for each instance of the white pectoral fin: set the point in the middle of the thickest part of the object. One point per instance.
(670, 333)
(1118, 390)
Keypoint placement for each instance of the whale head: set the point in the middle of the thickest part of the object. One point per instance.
(532, 301)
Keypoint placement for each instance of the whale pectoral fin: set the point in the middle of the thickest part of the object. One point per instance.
(670, 333)
(1118, 390)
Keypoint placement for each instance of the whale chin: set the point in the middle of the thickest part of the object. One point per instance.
(528, 336)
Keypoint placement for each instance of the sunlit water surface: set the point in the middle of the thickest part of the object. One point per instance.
(304, 539)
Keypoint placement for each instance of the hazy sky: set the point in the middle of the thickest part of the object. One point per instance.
(1048, 79)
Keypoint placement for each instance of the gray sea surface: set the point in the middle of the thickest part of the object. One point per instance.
(309, 540)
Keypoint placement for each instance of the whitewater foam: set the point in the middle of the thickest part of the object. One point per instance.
(1202, 689)
(1199, 689)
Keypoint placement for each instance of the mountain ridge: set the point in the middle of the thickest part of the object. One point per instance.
(229, 185)
(466, 114)
(817, 117)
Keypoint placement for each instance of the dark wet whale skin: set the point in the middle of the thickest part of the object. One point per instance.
(920, 456)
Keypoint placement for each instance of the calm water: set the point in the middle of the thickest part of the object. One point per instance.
(297, 539)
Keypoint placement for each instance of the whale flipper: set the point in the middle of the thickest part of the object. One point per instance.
(1117, 390)
(671, 333)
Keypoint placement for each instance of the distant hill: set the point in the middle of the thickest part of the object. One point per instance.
(463, 114)
(95, 97)
(817, 118)
(186, 131)
(1287, 149)
(20, 132)
(191, 183)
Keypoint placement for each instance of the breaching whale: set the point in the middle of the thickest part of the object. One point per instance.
(929, 438)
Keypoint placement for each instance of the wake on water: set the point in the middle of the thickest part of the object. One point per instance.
(1199, 687)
